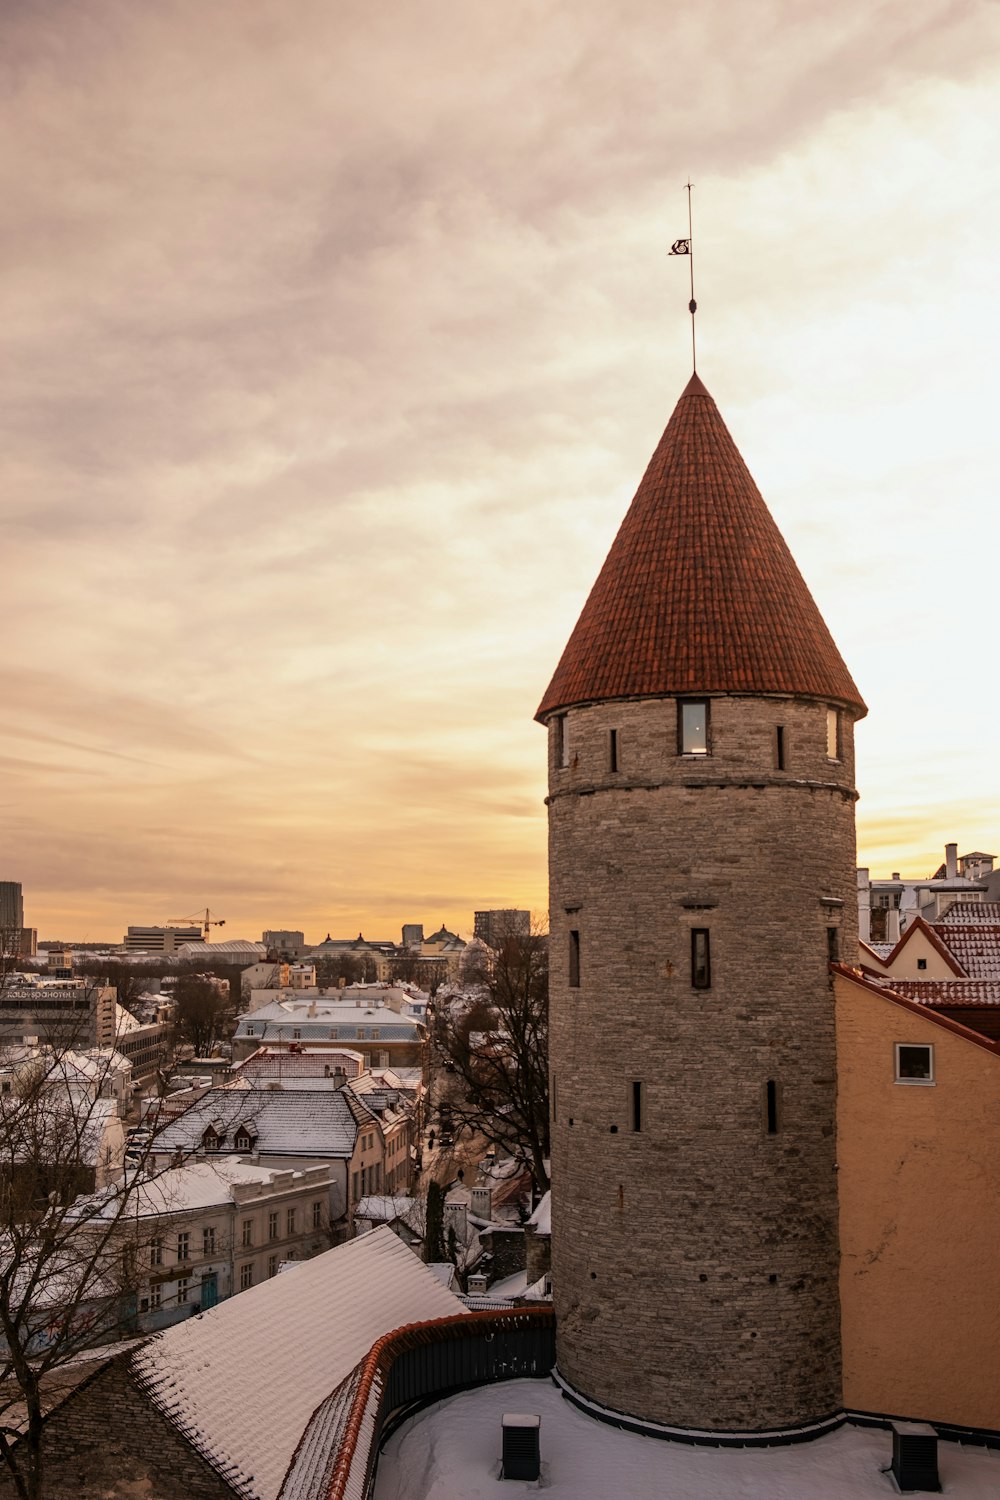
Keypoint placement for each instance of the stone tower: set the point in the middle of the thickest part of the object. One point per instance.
(701, 837)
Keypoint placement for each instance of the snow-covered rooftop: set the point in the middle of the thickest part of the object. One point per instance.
(453, 1449)
(197, 1184)
(285, 1122)
(244, 1379)
(339, 1020)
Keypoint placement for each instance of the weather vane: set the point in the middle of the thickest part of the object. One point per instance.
(686, 247)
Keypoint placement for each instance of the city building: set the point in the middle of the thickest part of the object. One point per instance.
(700, 727)
(887, 907)
(206, 1230)
(284, 943)
(11, 906)
(364, 1021)
(490, 927)
(160, 939)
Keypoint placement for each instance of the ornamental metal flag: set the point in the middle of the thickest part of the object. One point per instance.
(681, 247)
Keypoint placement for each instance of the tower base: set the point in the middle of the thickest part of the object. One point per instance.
(701, 1436)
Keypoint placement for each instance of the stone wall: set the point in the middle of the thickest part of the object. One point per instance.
(695, 1259)
(108, 1442)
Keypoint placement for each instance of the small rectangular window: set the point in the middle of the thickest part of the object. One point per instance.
(318, 1215)
(771, 1106)
(574, 959)
(208, 1241)
(290, 1221)
(552, 1096)
(833, 944)
(156, 1252)
(914, 1064)
(155, 1295)
(561, 739)
(182, 1289)
(636, 1105)
(692, 724)
(272, 1265)
(246, 1276)
(779, 747)
(272, 1226)
(183, 1246)
(613, 750)
(921, 963)
(701, 963)
(248, 1231)
(832, 734)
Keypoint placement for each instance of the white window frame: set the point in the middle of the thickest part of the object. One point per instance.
(928, 1047)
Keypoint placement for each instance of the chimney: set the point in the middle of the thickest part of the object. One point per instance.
(951, 860)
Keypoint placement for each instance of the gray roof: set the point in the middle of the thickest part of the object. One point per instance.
(317, 1122)
(333, 1020)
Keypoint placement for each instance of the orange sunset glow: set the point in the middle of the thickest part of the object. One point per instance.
(336, 339)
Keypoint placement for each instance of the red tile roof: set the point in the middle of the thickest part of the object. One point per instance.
(699, 593)
(952, 993)
(969, 913)
(940, 942)
(894, 995)
(976, 947)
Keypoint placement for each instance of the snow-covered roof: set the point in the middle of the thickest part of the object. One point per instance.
(243, 1380)
(341, 1020)
(542, 1217)
(231, 949)
(196, 1184)
(452, 1450)
(287, 1122)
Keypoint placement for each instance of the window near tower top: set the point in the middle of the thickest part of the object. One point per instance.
(779, 747)
(692, 726)
(771, 1106)
(613, 750)
(561, 740)
(574, 959)
(832, 734)
(701, 965)
(833, 944)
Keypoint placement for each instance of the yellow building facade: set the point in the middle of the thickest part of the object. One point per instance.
(918, 1157)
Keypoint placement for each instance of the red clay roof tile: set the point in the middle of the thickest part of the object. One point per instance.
(699, 593)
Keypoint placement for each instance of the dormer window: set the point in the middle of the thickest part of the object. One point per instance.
(211, 1139)
(692, 726)
(246, 1138)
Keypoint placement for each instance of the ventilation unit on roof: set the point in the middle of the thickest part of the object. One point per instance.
(914, 1457)
(522, 1457)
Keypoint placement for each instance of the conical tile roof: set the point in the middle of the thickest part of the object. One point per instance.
(699, 593)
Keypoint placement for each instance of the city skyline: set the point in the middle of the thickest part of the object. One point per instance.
(334, 356)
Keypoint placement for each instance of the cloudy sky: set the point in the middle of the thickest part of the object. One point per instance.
(336, 337)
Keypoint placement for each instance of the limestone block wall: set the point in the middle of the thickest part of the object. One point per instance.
(695, 1258)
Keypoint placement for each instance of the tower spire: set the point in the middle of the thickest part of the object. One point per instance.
(686, 247)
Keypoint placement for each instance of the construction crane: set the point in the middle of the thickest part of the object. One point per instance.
(204, 919)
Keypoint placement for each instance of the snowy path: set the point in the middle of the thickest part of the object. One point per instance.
(452, 1452)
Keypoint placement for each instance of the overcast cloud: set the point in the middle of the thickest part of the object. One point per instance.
(336, 339)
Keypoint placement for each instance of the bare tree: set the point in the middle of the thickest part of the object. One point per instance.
(497, 1045)
(203, 1012)
(70, 1264)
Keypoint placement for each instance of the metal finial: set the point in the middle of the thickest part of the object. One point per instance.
(686, 247)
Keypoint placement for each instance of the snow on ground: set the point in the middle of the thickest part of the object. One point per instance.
(453, 1449)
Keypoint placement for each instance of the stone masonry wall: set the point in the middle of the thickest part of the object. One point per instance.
(108, 1442)
(695, 1260)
